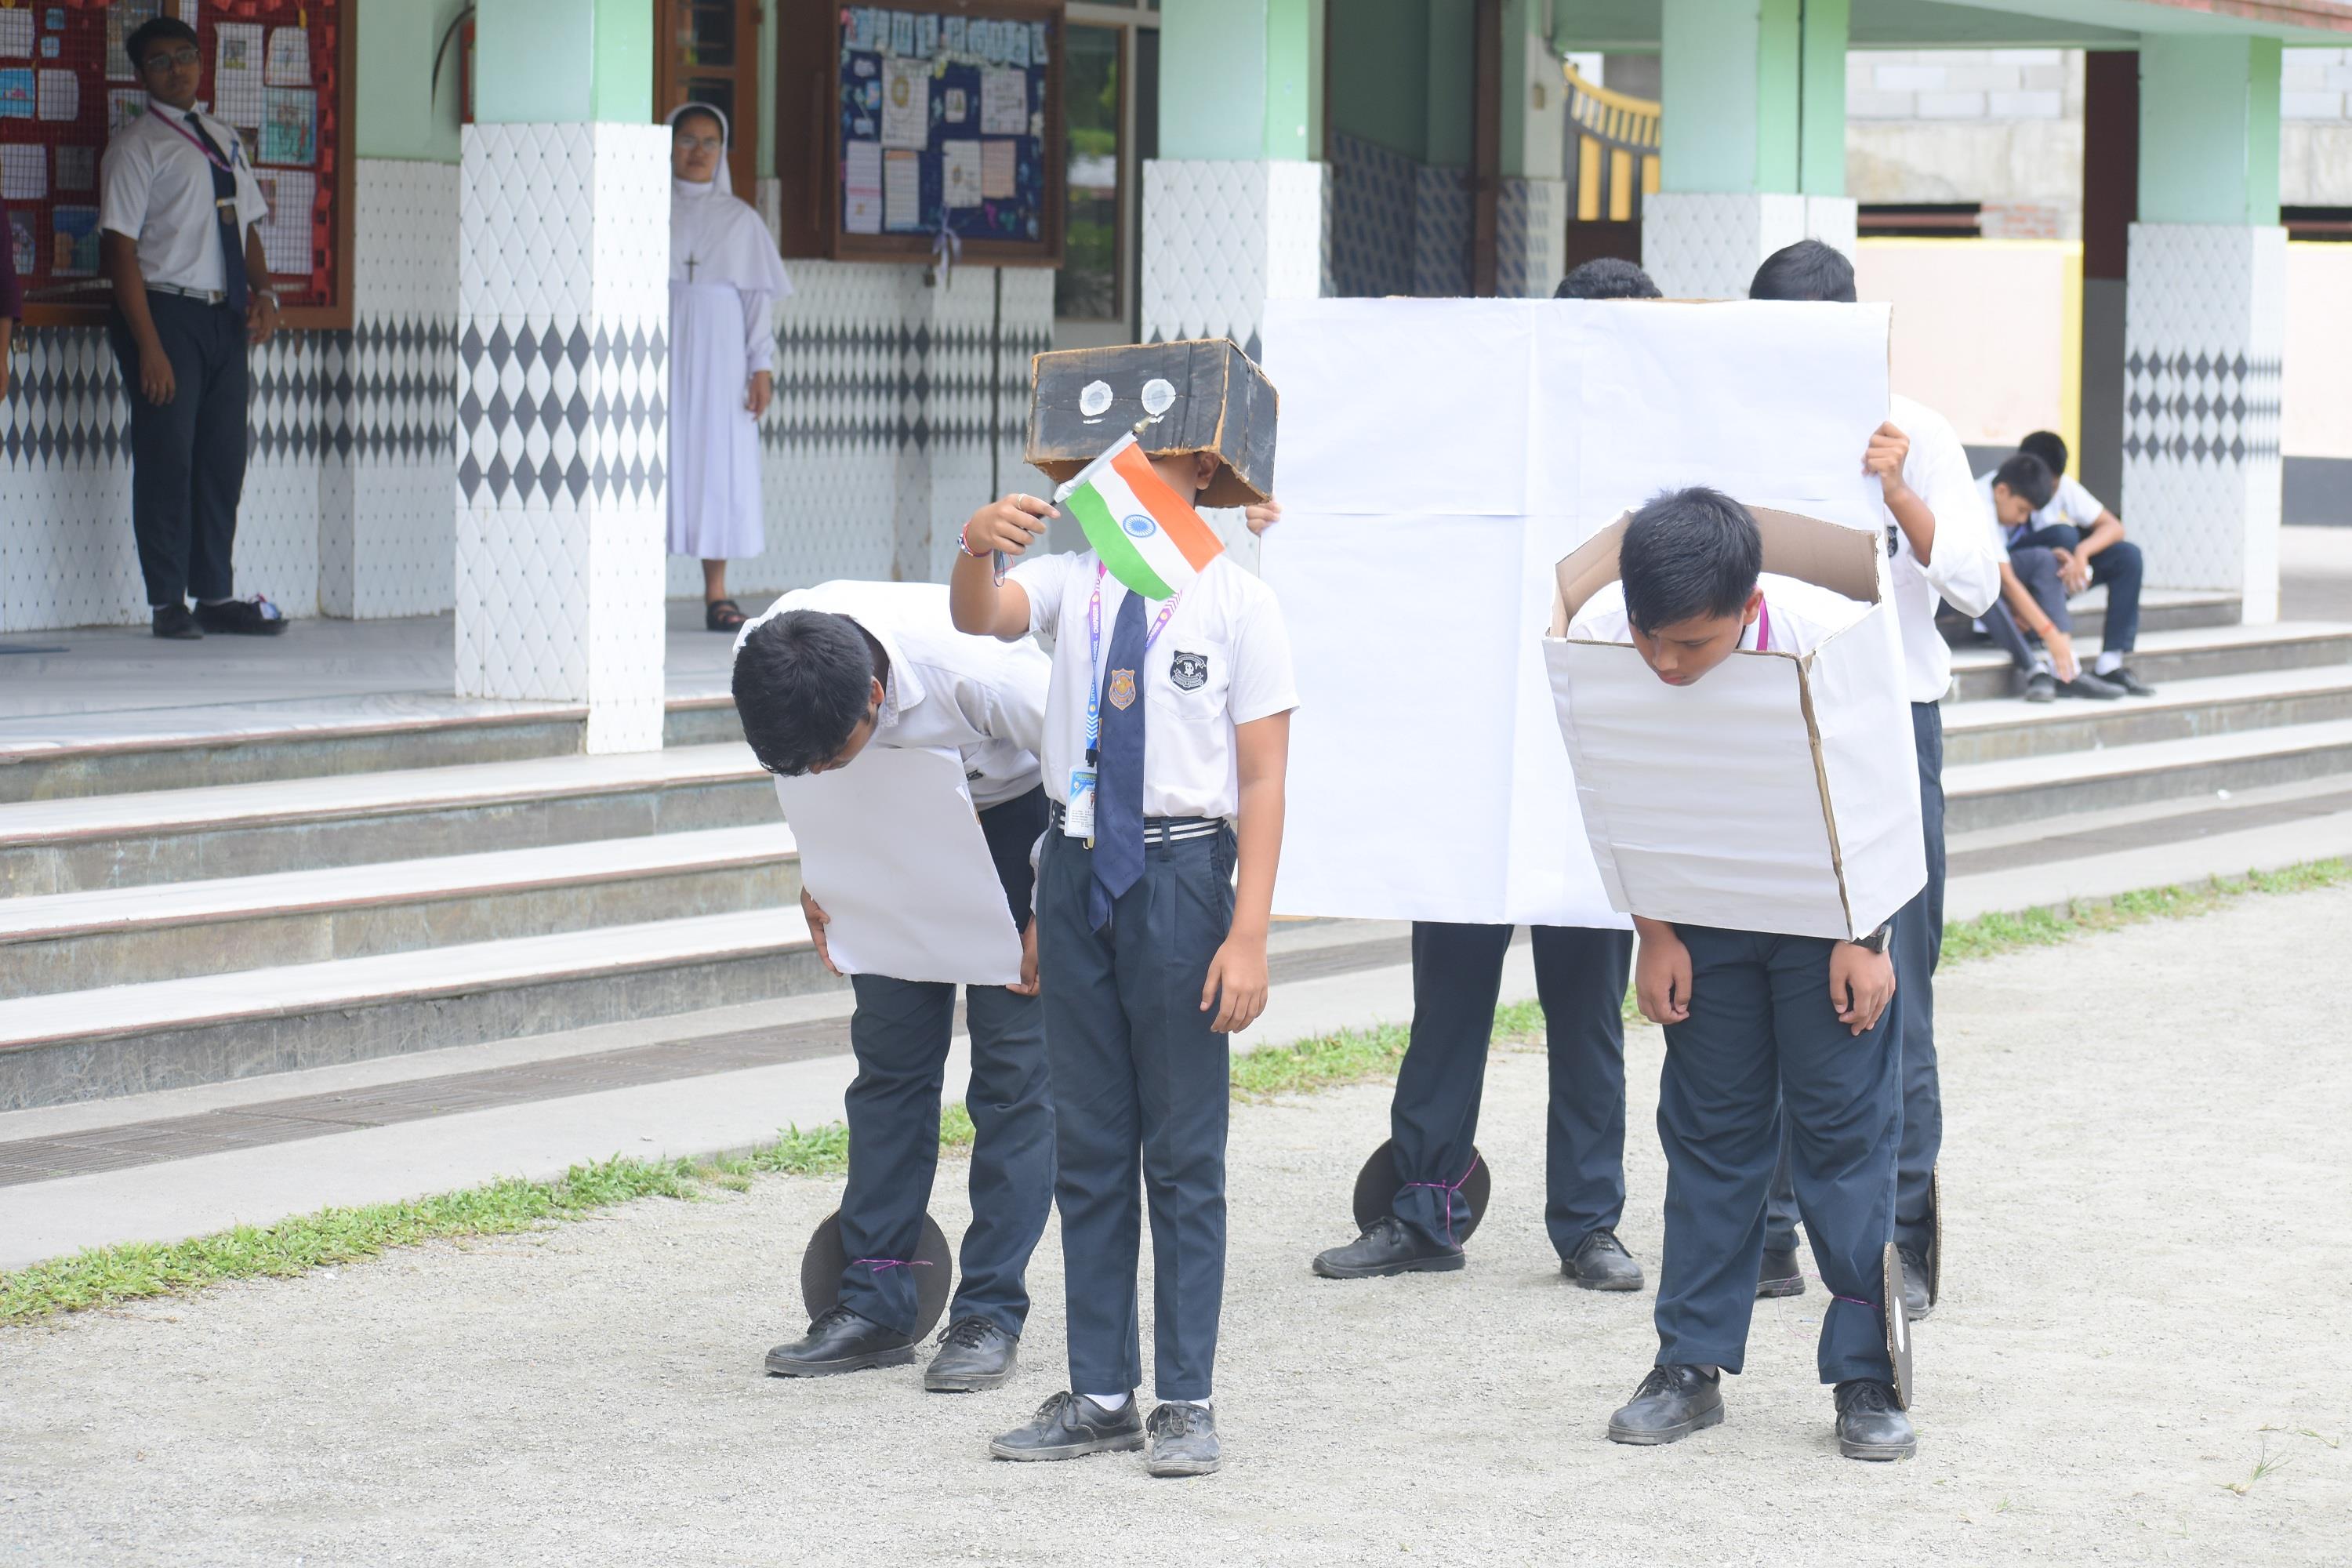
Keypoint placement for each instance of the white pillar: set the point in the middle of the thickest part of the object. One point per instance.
(1223, 237)
(562, 388)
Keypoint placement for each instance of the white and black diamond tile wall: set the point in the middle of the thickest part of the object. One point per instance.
(1221, 237)
(1530, 238)
(1441, 233)
(1708, 245)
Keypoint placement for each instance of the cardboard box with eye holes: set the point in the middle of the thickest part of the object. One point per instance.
(1778, 793)
(1199, 396)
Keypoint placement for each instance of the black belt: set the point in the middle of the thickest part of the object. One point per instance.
(1163, 829)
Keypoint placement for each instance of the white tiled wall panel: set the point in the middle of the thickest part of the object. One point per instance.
(1530, 238)
(1708, 247)
(1221, 237)
(2204, 334)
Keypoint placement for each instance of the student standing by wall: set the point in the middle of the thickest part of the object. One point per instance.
(724, 278)
(179, 208)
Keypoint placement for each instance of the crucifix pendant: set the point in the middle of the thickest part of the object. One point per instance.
(691, 263)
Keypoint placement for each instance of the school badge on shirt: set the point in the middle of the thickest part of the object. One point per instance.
(1122, 690)
(1188, 671)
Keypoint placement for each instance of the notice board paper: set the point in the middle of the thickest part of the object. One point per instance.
(902, 190)
(905, 103)
(891, 851)
(1536, 423)
(1003, 102)
(861, 178)
(960, 173)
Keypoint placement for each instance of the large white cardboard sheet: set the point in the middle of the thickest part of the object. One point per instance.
(1437, 458)
(891, 849)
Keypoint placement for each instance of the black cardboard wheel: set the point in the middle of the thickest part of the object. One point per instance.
(934, 1266)
(1899, 1323)
(1376, 1189)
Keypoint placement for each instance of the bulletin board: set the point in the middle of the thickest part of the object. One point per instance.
(281, 71)
(942, 121)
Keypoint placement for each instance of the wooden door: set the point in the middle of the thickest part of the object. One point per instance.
(708, 51)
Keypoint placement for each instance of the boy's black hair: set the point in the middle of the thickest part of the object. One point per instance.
(801, 683)
(161, 29)
(1689, 553)
(2050, 446)
(1807, 270)
(2026, 474)
(1607, 278)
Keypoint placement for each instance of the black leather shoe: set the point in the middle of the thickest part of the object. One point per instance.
(1180, 1440)
(2133, 685)
(2041, 687)
(173, 621)
(2097, 688)
(242, 617)
(1602, 1263)
(1779, 1275)
(1672, 1403)
(1391, 1247)
(1916, 1304)
(1869, 1426)
(1070, 1426)
(841, 1340)
(974, 1353)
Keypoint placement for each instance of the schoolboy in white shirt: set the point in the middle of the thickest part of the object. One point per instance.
(1758, 1026)
(827, 672)
(178, 211)
(1150, 949)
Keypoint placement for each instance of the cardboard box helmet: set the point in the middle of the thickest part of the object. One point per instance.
(1198, 395)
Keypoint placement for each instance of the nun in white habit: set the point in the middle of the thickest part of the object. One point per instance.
(724, 274)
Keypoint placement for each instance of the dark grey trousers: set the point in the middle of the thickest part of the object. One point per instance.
(1918, 945)
(187, 456)
(1140, 1101)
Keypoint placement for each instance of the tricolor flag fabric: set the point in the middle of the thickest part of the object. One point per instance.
(1147, 536)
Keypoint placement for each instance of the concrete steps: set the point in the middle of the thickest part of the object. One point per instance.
(2047, 788)
(118, 936)
(1981, 672)
(1993, 729)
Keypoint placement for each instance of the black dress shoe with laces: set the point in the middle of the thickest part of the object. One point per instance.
(1672, 1403)
(1181, 1439)
(974, 1353)
(1869, 1426)
(1916, 1304)
(2041, 687)
(1602, 1263)
(2133, 686)
(1071, 1426)
(1391, 1247)
(173, 621)
(1779, 1274)
(255, 618)
(840, 1340)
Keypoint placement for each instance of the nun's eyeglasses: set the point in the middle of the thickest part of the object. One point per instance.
(698, 143)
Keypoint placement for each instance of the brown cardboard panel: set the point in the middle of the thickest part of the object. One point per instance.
(1222, 403)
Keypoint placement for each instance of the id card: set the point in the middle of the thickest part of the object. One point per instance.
(1079, 810)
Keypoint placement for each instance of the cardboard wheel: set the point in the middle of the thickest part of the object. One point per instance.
(934, 1266)
(1898, 1325)
(1376, 1188)
(1934, 1258)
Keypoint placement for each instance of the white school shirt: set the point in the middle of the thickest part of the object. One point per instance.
(1802, 615)
(155, 187)
(1964, 571)
(983, 698)
(1222, 659)
(2071, 504)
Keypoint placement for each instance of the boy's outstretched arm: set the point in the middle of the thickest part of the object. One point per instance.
(977, 601)
(1236, 984)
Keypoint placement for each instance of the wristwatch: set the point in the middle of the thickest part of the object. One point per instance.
(1879, 940)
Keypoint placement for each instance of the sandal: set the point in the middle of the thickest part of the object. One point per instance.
(722, 615)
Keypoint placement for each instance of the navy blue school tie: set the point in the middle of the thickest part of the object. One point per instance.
(224, 190)
(1119, 775)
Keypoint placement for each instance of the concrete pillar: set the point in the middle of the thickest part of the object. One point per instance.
(1753, 140)
(2110, 203)
(2205, 319)
(1233, 207)
(562, 367)
(1531, 226)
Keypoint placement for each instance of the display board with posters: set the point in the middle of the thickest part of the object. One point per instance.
(932, 131)
(278, 70)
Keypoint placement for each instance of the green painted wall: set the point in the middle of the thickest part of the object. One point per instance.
(1753, 95)
(554, 61)
(1213, 72)
(1452, 47)
(1290, 62)
(1379, 80)
(2209, 130)
(397, 115)
(1821, 121)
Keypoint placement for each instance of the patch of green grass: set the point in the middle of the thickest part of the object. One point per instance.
(132, 1271)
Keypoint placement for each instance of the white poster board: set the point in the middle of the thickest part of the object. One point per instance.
(1437, 459)
(892, 851)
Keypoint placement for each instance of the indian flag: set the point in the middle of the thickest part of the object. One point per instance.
(1148, 537)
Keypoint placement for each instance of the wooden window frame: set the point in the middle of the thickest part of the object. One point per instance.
(743, 130)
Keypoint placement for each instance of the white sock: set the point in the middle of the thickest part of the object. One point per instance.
(1201, 1403)
(2042, 665)
(215, 601)
(1109, 1401)
(2106, 664)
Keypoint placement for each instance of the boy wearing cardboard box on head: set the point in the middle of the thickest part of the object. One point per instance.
(1167, 733)
(1758, 1024)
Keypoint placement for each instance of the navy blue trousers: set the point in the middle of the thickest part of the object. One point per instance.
(1762, 1041)
(900, 1033)
(2119, 569)
(1918, 945)
(1141, 1087)
(1457, 975)
(187, 456)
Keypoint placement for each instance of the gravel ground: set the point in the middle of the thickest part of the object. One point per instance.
(2146, 1165)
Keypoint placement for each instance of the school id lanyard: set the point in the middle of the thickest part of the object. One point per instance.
(1763, 627)
(1094, 657)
